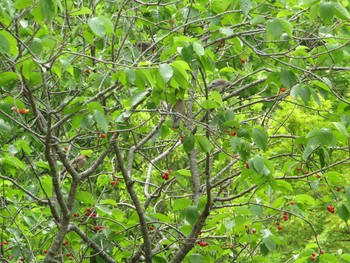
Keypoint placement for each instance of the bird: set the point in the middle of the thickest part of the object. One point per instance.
(77, 163)
(178, 110)
(218, 85)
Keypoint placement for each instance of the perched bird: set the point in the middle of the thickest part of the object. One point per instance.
(178, 110)
(218, 85)
(77, 163)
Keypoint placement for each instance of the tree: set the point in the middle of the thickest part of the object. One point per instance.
(252, 169)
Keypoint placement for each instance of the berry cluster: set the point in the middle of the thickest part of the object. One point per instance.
(165, 175)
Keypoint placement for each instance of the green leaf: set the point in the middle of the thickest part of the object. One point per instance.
(108, 25)
(270, 243)
(187, 53)
(191, 214)
(260, 138)
(189, 142)
(204, 143)
(258, 163)
(326, 137)
(287, 26)
(343, 212)
(166, 71)
(209, 104)
(4, 45)
(7, 77)
(5, 127)
(48, 8)
(287, 78)
(82, 11)
(326, 12)
(341, 128)
(180, 75)
(36, 46)
(257, 20)
(97, 26)
(181, 204)
(304, 199)
(85, 197)
(340, 11)
(274, 29)
(104, 210)
(246, 6)
(138, 96)
(196, 258)
(101, 120)
(161, 217)
(347, 194)
(198, 48)
(335, 178)
(13, 161)
(21, 4)
(329, 258)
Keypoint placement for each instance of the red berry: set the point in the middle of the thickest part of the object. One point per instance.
(234, 133)
(277, 223)
(313, 254)
(66, 148)
(299, 168)
(87, 214)
(247, 165)
(202, 243)
(45, 251)
(313, 258)
(71, 258)
(94, 215)
(22, 259)
(170, 171)
(9, 257)
(163, 177)
(338, 189)
(306, 172)
(292, 203)
(5, 242)
(317, 176)
(246, 226)
(97, 228)
(76, 215)
(68, 255)
(242, 60)
(112, 182)
(330, 208)
(65, 243)
(102, 135)
(285, 213)
(285, 218)
(283, 89)
(87, 71)
(166, 174)
(88, 209)
(253, 230)
(151, 228)
(279, 228)
(321, 252)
